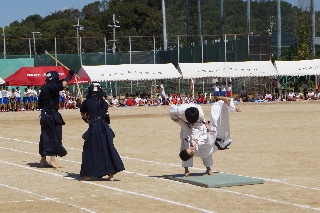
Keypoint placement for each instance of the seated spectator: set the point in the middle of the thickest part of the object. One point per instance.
(200, 98)
(71, 103)
(268, 96)
(310, 95)
(259, 97)
(317, 95)
(299, 97)
(243, 93)
(128, 101)
(115, 101)
(291, 96)
(283, 96)
(138, 100)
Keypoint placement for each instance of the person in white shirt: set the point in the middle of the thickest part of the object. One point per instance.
(216, 91)
(18, 97)
(199, 139)
(35, 99)
(6, 96)
(291, 96)
(224, 89)
(162, 92)
(268, 96)
(114, 101)
(30, 97)
(310, 95)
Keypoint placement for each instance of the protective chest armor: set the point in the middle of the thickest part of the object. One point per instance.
(48, 99)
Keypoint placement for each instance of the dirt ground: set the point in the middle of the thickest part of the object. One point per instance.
(276, 142)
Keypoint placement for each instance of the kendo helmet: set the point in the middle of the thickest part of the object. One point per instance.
(52, 76)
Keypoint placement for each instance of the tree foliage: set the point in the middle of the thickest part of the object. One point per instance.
(142, 19)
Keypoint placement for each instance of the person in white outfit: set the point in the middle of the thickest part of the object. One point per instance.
(200, 139)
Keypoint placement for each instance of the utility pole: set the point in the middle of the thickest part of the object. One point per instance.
(313, 13)
(4, 44)
(34, 42)
(165, 40)
(114, 27)
(199, 20)
(79, 27)
(188, 23)
(279, 29)
(270, 37)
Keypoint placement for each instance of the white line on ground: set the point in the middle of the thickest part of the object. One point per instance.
(46, 198)
(103, 186)
(176, 165)
(144, 175)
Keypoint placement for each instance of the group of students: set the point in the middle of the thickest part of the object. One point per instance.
(15, 101)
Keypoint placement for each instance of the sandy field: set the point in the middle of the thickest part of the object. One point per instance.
(277, 142)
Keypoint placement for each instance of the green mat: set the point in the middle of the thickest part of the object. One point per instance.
(215, 181)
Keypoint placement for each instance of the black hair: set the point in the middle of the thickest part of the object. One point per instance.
(192, 114)
(184, 155)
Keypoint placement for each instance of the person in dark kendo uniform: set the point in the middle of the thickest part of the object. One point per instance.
(51, 121)
(99, 156)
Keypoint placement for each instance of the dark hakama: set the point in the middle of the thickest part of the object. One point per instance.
(99, 156)
(51, 134)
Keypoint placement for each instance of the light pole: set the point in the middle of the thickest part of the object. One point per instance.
(270, 37)
(79, 27)
(34, 42)
(114, 27)
(4, 44)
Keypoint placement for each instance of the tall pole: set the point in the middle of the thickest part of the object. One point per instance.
(187, 22)
(199, 19)
(34, 42)
(221, 18)
(4, 44)
(114, 27)
(55, 50)
(313, 26)
(105, 51)
(30, 47)
(314, 35)
(279, 29)
(79, 27)
(248, 26)
(165, 41)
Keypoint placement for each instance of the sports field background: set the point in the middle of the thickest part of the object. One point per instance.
(277, 142)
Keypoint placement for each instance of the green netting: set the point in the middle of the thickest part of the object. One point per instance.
(9, 66)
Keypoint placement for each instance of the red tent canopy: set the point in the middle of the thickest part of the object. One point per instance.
(36, 76)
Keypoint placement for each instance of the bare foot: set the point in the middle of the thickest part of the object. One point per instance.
(86, 179)
(186, 174)
(54, 163)
(209, 172)
(238, 108)
(110, 178)
(44, 162)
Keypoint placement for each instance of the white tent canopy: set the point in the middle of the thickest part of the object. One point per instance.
(2, 81)
(125, 72)
(228, 69)
(296, 68)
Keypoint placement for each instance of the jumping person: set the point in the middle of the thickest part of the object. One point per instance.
(51, 120)
(200, 139)
(99, 156)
